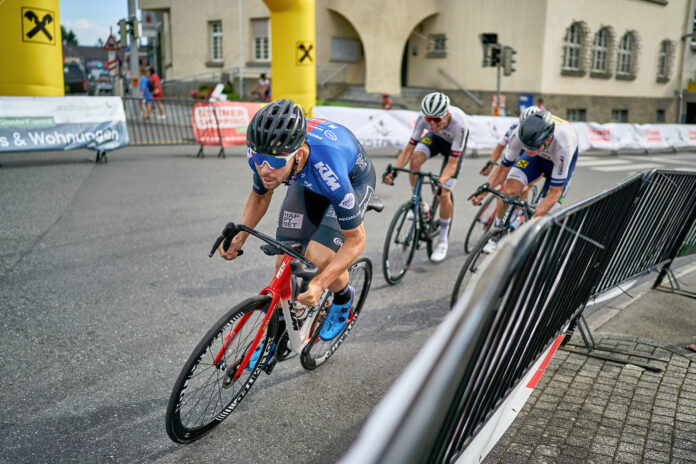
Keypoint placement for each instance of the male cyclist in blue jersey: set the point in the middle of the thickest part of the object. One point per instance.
(331, 180)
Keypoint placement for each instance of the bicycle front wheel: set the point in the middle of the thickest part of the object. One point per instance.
(206, 392)
(400, 244)
(475, 261)
(481, 223)
(317, 350)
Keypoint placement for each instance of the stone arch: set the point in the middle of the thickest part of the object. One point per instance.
(355, 72)
(383, 39)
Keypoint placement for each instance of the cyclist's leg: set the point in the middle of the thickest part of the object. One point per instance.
(526, 170)
(421, 153)
(445, 197)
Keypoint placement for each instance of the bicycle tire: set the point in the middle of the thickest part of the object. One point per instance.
(318, 351)
(194, 391)
(533, 191)
(484, 220)
(473, 263)
(434, 224)
(393, 268)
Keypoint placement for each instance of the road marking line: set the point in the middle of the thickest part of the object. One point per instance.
(633, 167)
(601, 162)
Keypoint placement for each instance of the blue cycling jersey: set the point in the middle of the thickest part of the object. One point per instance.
(335, 165)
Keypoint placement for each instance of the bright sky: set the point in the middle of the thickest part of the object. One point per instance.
(90, 20)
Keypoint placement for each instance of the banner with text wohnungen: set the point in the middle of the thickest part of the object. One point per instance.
(62, 123)
(222, 123)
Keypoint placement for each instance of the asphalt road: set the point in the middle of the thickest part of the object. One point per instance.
(106, 287)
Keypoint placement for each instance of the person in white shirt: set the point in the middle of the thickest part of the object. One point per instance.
(448, 131)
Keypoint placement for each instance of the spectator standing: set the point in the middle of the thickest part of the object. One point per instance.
(263, 86)
(540, 104)
(387, 103)
(145, 101)
(157, 91)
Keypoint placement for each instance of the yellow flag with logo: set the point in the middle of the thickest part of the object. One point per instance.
(31, 51)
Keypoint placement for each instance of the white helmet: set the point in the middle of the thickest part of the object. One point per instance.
(435, 104)
(528, 111)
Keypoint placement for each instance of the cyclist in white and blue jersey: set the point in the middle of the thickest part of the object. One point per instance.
(331, 181)
(545, 145)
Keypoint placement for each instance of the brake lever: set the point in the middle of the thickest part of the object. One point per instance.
(228, 233)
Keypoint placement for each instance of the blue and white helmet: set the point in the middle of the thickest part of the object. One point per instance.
(435, 104)
(528, 111)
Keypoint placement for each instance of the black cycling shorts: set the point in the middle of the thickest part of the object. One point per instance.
(306, 215)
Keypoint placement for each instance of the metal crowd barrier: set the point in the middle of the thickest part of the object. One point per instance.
(176, 127)
(540, 279)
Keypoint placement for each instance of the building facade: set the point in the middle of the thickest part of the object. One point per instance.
(593, 60)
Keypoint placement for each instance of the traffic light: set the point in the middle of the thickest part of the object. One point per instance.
(495, 55)
(509, 60)
(489, 40)
(136, 28)
(123, 31)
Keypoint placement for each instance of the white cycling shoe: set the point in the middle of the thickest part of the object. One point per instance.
(490, 246)
(439, 252)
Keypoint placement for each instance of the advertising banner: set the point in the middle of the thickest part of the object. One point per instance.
(392, 128)
(62, 123)
(227, 120)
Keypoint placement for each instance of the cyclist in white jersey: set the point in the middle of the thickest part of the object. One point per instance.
(550, 148)
(505, 139)
(448, 132)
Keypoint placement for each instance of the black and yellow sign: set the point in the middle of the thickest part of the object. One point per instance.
(304, 53)
(39, 26)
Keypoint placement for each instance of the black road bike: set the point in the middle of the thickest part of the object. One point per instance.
(411, 226)
(486, 215)
(477, 258)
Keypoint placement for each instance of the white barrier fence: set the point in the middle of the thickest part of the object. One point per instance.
(382, 129)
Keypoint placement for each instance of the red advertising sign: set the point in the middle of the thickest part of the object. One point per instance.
(227, 120)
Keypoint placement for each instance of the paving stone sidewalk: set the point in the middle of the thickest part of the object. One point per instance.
(588, 410)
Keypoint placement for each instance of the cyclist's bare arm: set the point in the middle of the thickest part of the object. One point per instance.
(496, 178)
(495, 155)
(549, 201)
(255, 208)
(402, 160)
(353, 245)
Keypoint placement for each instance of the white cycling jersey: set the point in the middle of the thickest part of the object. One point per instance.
(505, 139)
(454, 133)
(560, 151)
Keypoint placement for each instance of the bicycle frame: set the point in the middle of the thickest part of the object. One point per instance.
(280, 291)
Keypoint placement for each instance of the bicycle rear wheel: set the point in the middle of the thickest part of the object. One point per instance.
(205, 392)
(317, 350)
(434, 223)
(475, 261)
(481, 223)
(400, 244)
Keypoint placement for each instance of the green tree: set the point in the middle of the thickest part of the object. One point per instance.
(69, 37)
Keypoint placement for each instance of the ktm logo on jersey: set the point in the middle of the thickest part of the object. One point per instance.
(330, 177)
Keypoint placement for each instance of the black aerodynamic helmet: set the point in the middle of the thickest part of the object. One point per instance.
(535, 129)
(278, 127)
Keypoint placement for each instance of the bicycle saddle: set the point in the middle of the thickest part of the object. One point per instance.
(272, 250)
(375, 204)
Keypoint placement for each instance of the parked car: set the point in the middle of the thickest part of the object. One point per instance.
(75, 79)
(100, 81)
